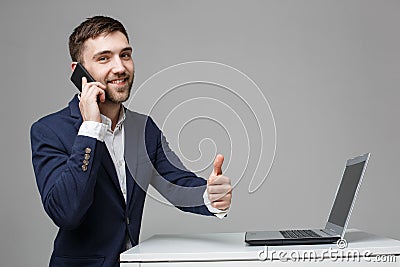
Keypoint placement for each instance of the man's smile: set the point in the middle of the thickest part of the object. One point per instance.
(118, 81)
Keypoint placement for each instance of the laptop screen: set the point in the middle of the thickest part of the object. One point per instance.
(346, 193)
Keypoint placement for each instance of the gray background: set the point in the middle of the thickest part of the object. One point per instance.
(330, 70)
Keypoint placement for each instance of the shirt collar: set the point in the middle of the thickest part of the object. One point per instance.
(106, 120)
(121, 119)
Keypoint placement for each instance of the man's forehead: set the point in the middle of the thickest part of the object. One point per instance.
(114, 42)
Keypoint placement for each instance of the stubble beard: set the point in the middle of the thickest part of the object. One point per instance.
(120, 94)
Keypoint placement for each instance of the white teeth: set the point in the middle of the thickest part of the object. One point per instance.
(117, 81)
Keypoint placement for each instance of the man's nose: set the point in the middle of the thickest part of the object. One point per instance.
(118, 66)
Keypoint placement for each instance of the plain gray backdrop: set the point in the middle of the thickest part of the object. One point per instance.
(329, 69)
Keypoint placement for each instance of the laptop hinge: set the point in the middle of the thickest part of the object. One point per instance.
(329, 232)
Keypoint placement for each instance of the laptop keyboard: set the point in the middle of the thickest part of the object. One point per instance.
(299, 233)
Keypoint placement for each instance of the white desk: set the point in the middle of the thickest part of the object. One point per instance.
(229, 249)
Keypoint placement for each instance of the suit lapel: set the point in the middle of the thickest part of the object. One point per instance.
(112, 173)
(132, 133)
(75, 112)
(131, 188)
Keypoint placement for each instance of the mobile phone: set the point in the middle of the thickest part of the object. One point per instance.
(77, 75)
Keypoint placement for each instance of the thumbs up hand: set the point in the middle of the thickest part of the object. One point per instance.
(219, 187)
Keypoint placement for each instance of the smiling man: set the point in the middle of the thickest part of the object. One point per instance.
(95, 159)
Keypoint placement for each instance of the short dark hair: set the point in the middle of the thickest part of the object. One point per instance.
(91, 28)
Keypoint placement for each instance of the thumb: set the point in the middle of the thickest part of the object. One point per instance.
(219, 159)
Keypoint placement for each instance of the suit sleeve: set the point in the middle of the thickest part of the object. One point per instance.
(65, 180)
(178, 185)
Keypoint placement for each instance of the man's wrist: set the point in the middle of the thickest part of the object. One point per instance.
(217, 212)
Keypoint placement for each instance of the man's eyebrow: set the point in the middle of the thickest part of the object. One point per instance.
(128, 48)
(104, 52)
(101, 53)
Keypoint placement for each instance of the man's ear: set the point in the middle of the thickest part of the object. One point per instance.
(73, 65)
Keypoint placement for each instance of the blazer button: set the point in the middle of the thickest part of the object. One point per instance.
(88, 150)
(128, 221)
(84, 168)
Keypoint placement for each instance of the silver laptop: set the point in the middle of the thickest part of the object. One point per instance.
(338, 219)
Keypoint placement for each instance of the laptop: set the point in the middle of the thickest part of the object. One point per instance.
(338, 219)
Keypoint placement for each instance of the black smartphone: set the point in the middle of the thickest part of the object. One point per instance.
(77, 75)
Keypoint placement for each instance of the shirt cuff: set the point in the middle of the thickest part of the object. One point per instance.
(93, 129)
(217, 212)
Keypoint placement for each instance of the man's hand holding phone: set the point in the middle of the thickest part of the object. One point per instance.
(91, 93)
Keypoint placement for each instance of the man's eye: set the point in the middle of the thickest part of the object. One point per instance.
(102, 59)
(126, 55)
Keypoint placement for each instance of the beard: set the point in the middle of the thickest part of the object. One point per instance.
(118, 95)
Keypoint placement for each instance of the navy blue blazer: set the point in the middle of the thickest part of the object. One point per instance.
(80, 191)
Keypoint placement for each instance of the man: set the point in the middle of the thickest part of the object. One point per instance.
(95, 159)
